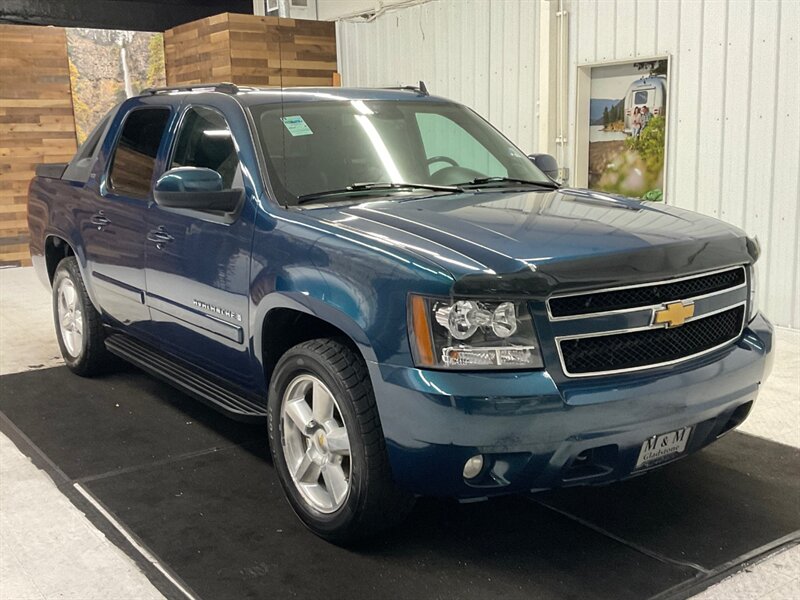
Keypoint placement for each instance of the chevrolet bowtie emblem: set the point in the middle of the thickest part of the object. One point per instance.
(674, 314)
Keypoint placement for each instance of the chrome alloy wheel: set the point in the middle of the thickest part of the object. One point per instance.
(315, 443)
(70, 317)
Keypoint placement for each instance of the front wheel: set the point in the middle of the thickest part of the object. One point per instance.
(327, 443)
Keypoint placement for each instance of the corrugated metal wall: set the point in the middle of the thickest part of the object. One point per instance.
(734, 121)
(477, 52)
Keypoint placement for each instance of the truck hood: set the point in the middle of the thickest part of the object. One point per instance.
(533, 242)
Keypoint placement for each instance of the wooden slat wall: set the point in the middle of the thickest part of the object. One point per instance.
(198, 51)
(36, 123)
(255, 49)
(36, 118)
(252, 50)
(308, 53)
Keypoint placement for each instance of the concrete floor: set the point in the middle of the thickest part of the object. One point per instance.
(49, 549)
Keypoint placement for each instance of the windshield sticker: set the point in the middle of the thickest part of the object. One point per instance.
(296, 126)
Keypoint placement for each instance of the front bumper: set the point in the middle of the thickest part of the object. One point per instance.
(538, 435)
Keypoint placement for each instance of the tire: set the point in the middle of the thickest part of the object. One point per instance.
(372, 503)
(79, 329)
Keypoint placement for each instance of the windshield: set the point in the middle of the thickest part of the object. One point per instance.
(314, 147)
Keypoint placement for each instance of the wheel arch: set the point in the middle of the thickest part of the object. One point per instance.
(284, 320)
(56, 249)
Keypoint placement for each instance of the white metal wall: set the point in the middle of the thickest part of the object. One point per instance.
(477, 52)
(734, 119)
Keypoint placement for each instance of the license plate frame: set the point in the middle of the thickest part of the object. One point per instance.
(663, 447)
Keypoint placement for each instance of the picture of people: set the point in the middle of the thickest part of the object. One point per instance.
(627, 129)
(637, 121)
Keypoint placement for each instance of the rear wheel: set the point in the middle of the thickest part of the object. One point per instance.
(328, 445)
(78, 327)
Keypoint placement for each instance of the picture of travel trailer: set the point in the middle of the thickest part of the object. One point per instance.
(647, 91)
(625, 158)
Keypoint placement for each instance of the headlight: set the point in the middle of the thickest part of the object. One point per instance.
(472, 334)
(753, 299)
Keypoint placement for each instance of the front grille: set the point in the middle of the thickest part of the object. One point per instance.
(632, 297)
(651, 347)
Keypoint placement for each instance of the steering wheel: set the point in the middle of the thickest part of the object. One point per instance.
(446, 159)
(454, 175)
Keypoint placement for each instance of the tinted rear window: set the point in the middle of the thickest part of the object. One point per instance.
(135, 155)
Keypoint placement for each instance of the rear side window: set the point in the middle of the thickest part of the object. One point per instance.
(89, 147)
(205, 141)
(135, 155)
(81, 164)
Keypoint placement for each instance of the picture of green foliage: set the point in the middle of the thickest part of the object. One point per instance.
(650, 144)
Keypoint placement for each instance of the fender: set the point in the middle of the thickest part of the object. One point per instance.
(80, 256)
(354, 282)
(72, 239)
(312, 306)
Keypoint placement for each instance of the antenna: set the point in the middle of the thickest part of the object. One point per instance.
(423, 88)
(285, 182)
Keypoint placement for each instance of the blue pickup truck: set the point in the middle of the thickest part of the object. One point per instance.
(411, 304)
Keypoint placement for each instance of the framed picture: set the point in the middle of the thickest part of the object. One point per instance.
(621, 138)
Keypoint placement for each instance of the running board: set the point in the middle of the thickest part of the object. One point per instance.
(200, 386)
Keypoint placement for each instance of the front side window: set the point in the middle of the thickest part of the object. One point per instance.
(312, 147)
(205, 141)
(134, 157)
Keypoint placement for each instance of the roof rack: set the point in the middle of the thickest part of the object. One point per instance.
(223, 87)
(420, 89)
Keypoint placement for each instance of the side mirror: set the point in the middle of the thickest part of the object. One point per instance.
(546, 163)
(195, 188)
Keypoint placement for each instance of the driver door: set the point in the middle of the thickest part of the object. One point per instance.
(198, 262)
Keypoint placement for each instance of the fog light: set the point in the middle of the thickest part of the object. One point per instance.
(473, 467)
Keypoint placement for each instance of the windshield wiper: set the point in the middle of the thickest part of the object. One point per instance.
(355, 188)
(484, 180)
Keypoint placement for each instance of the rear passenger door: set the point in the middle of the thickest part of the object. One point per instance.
(198, 262)
(113, 215)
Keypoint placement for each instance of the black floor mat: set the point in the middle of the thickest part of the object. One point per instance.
(738, 494)
(200, 492)
(221, 521)
(92, 426)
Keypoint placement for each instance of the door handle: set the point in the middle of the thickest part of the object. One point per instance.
(99, 219)
(159, 236)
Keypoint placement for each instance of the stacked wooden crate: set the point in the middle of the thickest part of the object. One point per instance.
(36, 123)
(252, 50)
